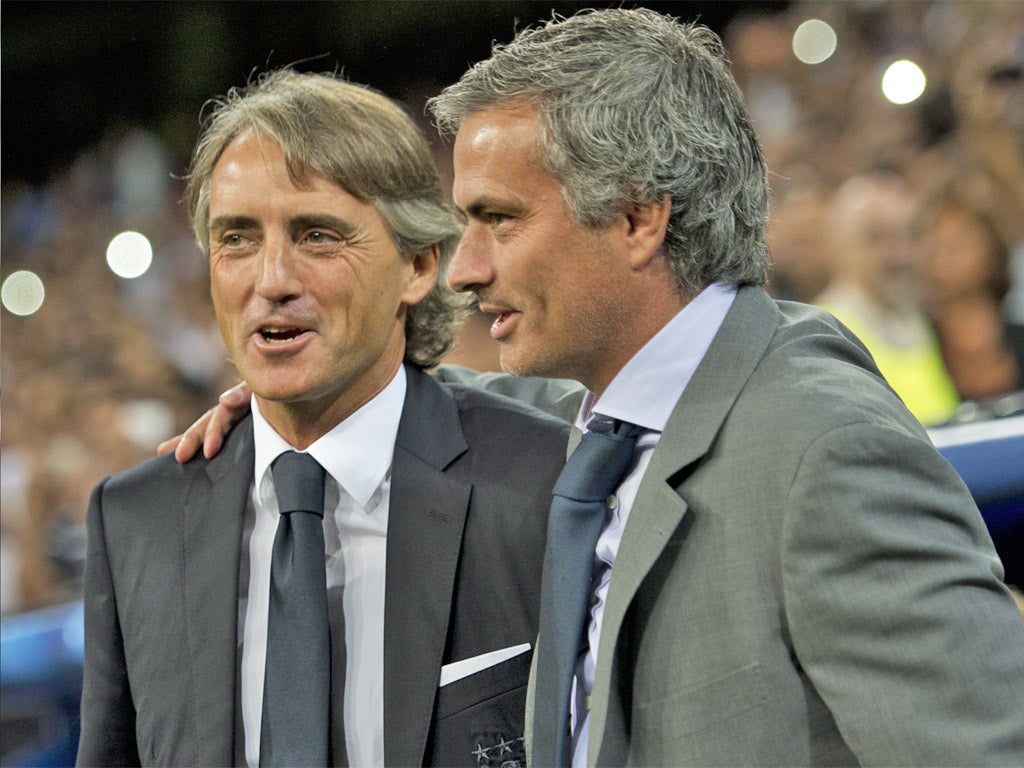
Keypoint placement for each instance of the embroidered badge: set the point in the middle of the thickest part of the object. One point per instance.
(499, 751)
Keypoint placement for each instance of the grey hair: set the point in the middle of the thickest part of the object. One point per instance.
(636, 107)
(366, 144)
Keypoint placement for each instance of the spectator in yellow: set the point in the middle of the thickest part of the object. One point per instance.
(875, 291)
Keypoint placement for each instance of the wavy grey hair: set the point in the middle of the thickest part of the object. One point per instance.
(364, 143)
(635, 107)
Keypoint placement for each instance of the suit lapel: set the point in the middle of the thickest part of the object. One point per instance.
(214, 513)
(425, 523)
(658, 509)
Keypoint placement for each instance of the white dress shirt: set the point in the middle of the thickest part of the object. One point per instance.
(357, 455)
(644, 393)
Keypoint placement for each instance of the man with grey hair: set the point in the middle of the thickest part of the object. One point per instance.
(386, 615)
(788, 573)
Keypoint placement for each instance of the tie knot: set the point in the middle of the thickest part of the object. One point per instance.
(600, 462)
(605, 424)
(298, 483)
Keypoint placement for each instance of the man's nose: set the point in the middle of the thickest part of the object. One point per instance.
(472, 265)
(277, 279)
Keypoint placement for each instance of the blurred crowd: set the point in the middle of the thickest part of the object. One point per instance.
(906, 221)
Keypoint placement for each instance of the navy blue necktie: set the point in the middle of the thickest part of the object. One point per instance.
(297, 681)
(578, 509)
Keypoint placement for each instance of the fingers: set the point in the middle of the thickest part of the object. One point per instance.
(217, 426)
(236, 399)
(233, 405)
(209, 430)
(168, 445)
(193, 438)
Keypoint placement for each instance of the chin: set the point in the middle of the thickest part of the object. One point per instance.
(514, 363)
(278, 392)
(529, 365)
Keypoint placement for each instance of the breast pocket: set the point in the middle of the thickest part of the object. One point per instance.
(722, 722)
(479, 719)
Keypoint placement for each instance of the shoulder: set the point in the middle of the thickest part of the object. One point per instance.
(817, 375)
(497, 428)
(494, 417)
(507, 430)
(558, 397)
(479, 411)
(443, 420)
(475, 403)
(137, 501)
(163, 477)
(147, 477)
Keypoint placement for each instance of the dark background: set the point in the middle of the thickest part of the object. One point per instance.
(75, 71)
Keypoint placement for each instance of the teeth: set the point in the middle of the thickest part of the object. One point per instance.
(279, 334)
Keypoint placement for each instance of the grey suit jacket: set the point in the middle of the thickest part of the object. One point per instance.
(803, 579)
(466, 528)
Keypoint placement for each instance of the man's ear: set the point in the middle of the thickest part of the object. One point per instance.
(423, 276)
(645, 230)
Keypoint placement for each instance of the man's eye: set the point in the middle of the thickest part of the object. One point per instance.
(233, 240)
(317, 236)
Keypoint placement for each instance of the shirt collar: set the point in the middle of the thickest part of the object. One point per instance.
(648, 387)
(357, 452)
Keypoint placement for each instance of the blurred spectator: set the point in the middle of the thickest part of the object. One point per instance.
(982, 149)
(801, 256)
(965, 269)
(876, 292)
(141, 176)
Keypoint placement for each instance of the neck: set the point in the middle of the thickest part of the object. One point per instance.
(658, 309)
(302, 422)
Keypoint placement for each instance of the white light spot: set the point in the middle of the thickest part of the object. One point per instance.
(814, 41)
(22, 293)
(129, 255)
(146, 422)
(903, 82)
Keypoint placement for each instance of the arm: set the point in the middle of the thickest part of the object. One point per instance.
(108, 715)
(559, 397)
(894, 599)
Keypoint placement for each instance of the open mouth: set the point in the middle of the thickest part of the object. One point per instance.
(274, 334)
(503, 323)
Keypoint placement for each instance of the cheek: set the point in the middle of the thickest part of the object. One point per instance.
(217, 296)
(220, 293)
(227, 296)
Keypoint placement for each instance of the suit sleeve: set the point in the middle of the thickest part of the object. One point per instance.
(108, 715)
(894, 597)
(558, 397)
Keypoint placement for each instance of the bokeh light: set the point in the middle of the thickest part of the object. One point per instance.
(814, 41)
(129, 255)
(903, 82)
(22, 293)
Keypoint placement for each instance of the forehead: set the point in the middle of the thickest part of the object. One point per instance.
(253, 168)
(251, 157)
(251, 181)
(497, 151)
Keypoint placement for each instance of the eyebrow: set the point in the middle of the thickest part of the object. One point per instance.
(232, 222)
(479, 207)
(322, 220)
(296, 223)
